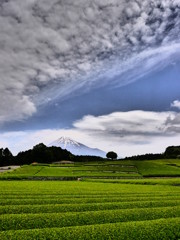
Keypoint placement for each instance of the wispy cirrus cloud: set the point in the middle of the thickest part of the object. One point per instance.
(49, 49)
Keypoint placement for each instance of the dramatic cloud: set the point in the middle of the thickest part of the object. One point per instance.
(127, 133)
(132, 126)
(49, 49)
(176, 104)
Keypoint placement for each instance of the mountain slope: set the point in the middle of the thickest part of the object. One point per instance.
(76, 147)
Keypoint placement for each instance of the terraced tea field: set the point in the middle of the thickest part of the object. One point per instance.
(128, 209)
(104, 169)
(70, 171)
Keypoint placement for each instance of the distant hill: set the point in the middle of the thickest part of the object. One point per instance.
(77, 148)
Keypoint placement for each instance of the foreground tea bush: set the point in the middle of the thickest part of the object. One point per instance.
(162, 229)
(57, 208)
(59, 200)
(30, 221)
(89, 210)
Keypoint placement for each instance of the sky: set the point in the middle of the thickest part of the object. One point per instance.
(105, 73)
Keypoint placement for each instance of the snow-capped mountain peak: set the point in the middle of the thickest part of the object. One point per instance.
(66, 142)
(76, 147)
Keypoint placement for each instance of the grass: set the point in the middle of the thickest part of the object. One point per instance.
(152, 181)
(158, 168)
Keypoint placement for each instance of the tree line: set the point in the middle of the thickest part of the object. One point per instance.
(39, 153)
(43, 154)
(171, 152)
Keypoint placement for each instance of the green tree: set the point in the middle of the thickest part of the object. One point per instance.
(6, 153)
(111, 155)
(41, 153)
(172, 152)
(6, 157)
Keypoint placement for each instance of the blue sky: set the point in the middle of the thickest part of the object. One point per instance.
(106, 73)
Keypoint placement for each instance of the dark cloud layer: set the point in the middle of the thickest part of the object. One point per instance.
(49, 49)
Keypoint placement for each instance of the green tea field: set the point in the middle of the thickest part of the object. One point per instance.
(104, 169)
(86, 210)
(104, 200)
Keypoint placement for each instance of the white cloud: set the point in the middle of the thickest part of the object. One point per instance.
(49, 49)
(127, 133)
(176, 104)
(132, 126)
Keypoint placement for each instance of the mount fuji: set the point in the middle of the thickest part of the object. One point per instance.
(76, 148)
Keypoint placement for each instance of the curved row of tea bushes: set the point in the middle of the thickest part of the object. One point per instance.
(57, 208)
(59, 200)
(47, 220)
(161, 229)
